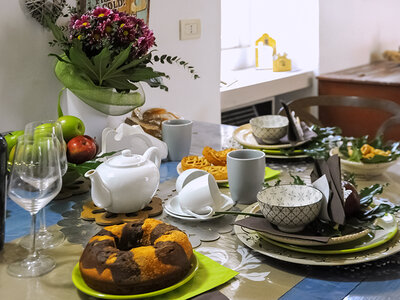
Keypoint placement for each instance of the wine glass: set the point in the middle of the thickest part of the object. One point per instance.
(46, 239)
(35, 179)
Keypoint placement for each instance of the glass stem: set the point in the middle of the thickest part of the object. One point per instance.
(33, 254)
(42, 220)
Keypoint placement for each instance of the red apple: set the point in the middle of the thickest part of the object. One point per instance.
(81, 148)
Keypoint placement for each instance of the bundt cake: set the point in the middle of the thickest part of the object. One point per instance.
(135, 258)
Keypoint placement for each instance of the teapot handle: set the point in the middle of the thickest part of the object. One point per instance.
(153, 154)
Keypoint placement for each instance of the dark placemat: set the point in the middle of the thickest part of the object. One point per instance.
(262, 225)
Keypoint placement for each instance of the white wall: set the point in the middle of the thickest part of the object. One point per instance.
(193, 99)
(29, 89)
(292, 23)
(355, 32)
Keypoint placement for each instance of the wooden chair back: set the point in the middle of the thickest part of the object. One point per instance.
(352, 122)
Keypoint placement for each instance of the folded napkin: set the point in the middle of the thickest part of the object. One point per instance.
(326, 176)
(297, 131)
(269, 174)
(262, 225)
(209, 275)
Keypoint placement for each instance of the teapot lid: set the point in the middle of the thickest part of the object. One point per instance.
(126, 159)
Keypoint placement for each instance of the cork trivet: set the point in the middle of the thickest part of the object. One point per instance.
(91, 212)
(79, 186)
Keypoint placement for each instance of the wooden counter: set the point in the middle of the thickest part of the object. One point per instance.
(375, 80)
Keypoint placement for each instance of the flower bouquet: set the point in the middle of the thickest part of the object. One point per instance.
(106, 54)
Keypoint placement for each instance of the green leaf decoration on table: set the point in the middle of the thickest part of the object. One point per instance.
(367, 194)
(326, 139)
(297, 180)
(88, 165)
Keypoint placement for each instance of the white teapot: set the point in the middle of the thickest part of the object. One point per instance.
(127, 182)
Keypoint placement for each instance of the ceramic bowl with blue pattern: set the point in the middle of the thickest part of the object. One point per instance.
(290, 207)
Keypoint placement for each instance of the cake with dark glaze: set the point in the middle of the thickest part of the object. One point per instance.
(135, 258)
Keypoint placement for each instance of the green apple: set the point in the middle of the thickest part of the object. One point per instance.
(43, 130)
(71, 127)
(11, 139)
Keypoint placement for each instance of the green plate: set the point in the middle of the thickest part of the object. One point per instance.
(371, 240)
(83, 287)
(282, 152)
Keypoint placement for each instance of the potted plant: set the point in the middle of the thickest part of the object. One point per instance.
(106, 55)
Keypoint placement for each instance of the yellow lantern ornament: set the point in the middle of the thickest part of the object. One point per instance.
(282, 63)
(265, 51)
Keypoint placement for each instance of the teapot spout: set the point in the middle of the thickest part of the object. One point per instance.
(101, 195)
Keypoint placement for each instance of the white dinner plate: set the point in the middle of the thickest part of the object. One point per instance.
(172, 208)
(180, 170)
(252, 240)
(244, 136)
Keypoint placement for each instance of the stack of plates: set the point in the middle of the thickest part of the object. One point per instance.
(172, 208)
(244, 136)
(363, 246)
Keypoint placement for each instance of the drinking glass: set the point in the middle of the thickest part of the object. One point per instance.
(46, 239)
(35, 179)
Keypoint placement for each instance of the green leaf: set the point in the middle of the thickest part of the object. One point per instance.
(118, 61)
(101, 62)
(88, 165)
(367, 194)
(57, 32)
(60, 58)
(356, 155)
(297, 180)
(132, 65)
(143, 73)
(120, 84)
(81, 61)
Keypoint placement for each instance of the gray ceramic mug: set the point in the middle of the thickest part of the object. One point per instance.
(246, 171)
(177, 134)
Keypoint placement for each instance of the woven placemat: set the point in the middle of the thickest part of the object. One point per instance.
(91, 212)
(79, 186)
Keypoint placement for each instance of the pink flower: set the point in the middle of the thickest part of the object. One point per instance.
(115, 30)
(101, 12)
(82, 22)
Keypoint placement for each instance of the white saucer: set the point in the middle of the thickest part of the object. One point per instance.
(173, 209)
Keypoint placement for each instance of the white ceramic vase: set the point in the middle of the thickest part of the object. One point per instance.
(94, 120)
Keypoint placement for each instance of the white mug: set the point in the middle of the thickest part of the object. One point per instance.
(200, 197)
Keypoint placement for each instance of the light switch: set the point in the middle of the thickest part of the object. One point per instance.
(189, 29)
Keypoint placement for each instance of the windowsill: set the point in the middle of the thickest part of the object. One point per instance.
(250, 86)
